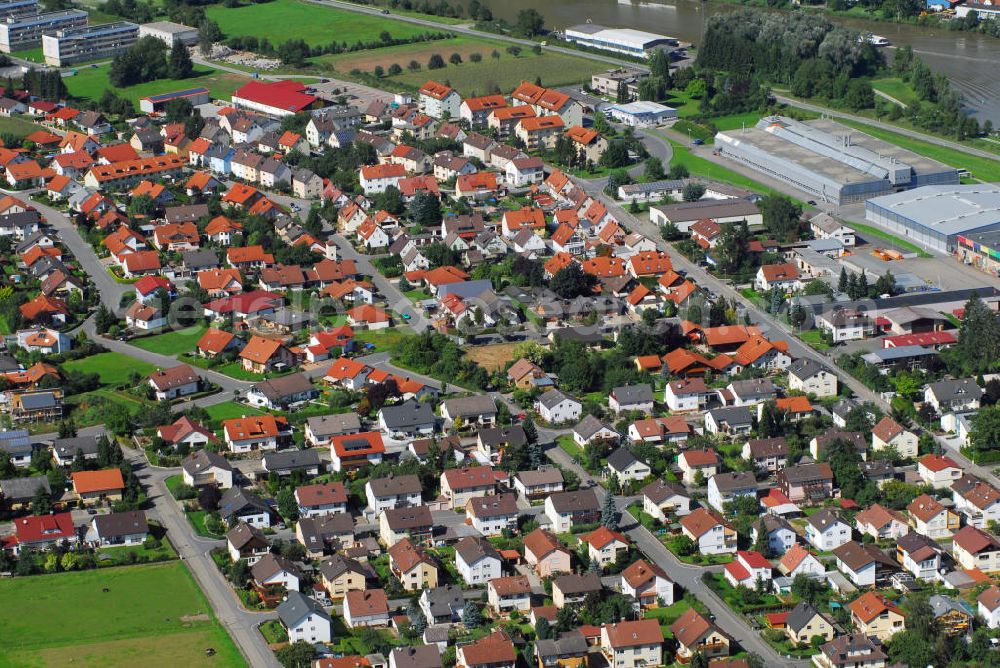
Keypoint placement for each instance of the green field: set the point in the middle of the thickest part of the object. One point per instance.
(149, 615)
(896, 88)
(228, 410)
(505, 73)
(172, 343)
(34, 55)
(282, 20)
(699, 166)
(17, 126)
(113, 368)
(91, 82)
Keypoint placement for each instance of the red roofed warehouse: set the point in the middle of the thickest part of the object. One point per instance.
(277, 98)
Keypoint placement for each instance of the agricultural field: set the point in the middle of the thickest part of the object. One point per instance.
(491, 357)
(506, 72)
(282, 20)
(402, 54)
(113, 368)
(172, 343)
(91, 82)
(109, 617)
(13, 125)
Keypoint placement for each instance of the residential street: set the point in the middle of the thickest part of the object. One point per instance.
(194, 550)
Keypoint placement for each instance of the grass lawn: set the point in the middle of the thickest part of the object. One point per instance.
(694, 130)
(417, 295)
(983, 169)
(896, 88)
(70, 618)
(172, 343)
(34, 55)
(814, 338)
(91, 82)
(668, 615)
(273, 632)
(567, 443)
(382, 339)
(17, 126)
(228, 410)
(232, 369)
(894, 241)
(699, 166)
(197, 519)
(113, 368)
(282, 20)
(506, 72)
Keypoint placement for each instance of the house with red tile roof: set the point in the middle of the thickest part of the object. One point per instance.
(215, 342)
(261, 355)
(97, 486)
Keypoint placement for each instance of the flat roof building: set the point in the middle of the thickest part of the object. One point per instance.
(936, 216)
(169, 32)
(77, 45)
(642, 114)
(619, 40)
(830, 161)
(25, 32)
(155, 103)
(18, 8)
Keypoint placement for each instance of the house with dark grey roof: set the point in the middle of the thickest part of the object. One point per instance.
(273, 570)
(566, 509)
(626, 466)
(320, 429)
(240, 505)
(286, 462)
(203, 467)
(17, 444)
(393, 491)
(729, 420)
(410, 418)
(591, 429)
(767, 454)
(283, 392)
(20, 491)
(478, 408)
(960, 395)
(632, 398)
(573, 588)
(811, 377)
(419, 656)
(569, 648)
(304, 619)
(804, 622)
(555, 407)
(493, 440)
(726, 487)
(752, 391)
(65, 449)
(663, 499)
(477, 560)
(538, 483)
(322, 535)
(443, 605)
(114, 529)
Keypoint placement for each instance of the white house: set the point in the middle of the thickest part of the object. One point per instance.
(826, 531)
(810, 377)
(275, 571)
(626, 467)
(304, 619)
(477, 560)
(439, 101)
(726, 487)
(685, 395)
(555, 407)
(709, 531)
(988, 605)
(938, 471)
(890, 434)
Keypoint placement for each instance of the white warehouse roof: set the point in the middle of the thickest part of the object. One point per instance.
(946, 209)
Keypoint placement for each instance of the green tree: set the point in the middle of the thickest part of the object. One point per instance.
(425, 209)
(41, 502)
(208, 34)
(693, 191)
(571, 281)
(781, 216)
(696, 89)
(653, 168)
(296, 655)
(978, 347)
(616, 155)
(472, 616)
(609, 512)
(455, 59)
(529, 22)
(542, 628)
(179, 65)
(985, 433)
(435, 62)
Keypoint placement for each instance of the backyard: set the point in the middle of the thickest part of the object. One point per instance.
(172, 343)
(114, 616)
(114, 369)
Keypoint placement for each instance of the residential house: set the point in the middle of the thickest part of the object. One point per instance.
(238, 505)
(203, 467)
(827, 531)
(366, 607)
(988, 605)
(477, 560)
(781, 536)
(696, 635)
(932, 519)
(545, 553)
(605, 546)
(126, 528)
(890, 434)
(686, 395)
(566, 509)
(505, 594)
(953, 396)
(459, 486)
(881, 523)
(259, 432)
(396, 524)
(556, 407)
(806, 482)
(724, 488)
(864, 564)
(244, 541)
(632, 398)
(709, 531)
(415, 568)
(919, 555)
(665, 500)
(876, 616)
(974, 548)
(273, 570)
(749, 569)
(572, 588)
(804, 622)
(767, 454)
(632, 644)
(811, 377)
(340, 575)
(851, 651)
(647, 584)
(939, 471)
(304, 619)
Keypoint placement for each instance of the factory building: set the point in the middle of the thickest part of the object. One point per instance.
(829, 161)
(18, 8)
(950, 219)
(169, 32)
(157, 103)
(77, 45)
(619, 40)
(26, 32)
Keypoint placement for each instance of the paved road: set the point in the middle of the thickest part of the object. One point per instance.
(686, 575)
(194, 550)
(109, 289)
(887, 126)
(397, 301)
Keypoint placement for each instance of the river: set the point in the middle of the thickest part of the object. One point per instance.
(968, 59)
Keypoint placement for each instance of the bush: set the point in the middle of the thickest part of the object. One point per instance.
(183, 492)
(435, 62)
